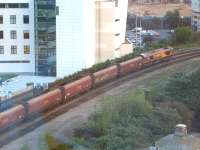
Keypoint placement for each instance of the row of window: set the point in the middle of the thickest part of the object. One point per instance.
(14, 5)
(13, 49)
(13, 34)
(13, 19)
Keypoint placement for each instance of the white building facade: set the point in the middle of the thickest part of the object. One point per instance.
(17, 51)
(75, 36)
(65, 36)
(196, 15)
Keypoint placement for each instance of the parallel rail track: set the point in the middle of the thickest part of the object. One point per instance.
(30, 124)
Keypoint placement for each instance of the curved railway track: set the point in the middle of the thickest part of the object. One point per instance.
(31, 124)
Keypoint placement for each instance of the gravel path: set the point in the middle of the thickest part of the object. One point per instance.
(65, 124)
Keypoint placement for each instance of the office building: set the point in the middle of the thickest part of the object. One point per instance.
(196, 15)
(60, 37)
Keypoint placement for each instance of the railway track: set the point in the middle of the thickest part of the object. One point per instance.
(30, 124)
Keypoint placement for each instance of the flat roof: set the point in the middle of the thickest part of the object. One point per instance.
(19, 83)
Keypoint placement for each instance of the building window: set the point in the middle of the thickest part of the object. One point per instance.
(26, 19)
(1, 49)
(1, 34)
(13, 19)
(13, 49)
(116, 3)
(1, 19)
(57, 10)
(13, 34)
(26, 35)
(26, 49)
(14, 5)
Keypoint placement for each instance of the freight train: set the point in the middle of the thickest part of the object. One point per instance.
(67, 92)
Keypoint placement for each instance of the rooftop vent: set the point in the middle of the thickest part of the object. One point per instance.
(180, 130)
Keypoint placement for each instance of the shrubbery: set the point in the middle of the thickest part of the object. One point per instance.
(137, 120)
(128, 122)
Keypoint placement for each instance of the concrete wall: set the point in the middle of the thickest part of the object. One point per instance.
(105, 30)
(111, 17)
(196, 15)
(75, 36)
(20, 41)
(196, 5)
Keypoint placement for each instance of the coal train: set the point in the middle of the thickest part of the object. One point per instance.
(67, 92)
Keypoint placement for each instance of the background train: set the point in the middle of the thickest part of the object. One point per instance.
(65, 93)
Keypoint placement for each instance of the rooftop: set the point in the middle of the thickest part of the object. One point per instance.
(19, 83)
(180, 140)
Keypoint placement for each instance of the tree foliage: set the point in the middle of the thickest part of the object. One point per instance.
(186, 89)
(136, 120)
(172, 18)
(183, 35)
(127, 120)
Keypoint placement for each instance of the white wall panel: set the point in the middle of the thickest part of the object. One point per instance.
(74, 29)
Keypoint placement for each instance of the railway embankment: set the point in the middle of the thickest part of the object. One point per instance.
(65, 124)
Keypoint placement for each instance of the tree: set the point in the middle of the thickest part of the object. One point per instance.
(172, 19)
(148, 39)
(183, 35)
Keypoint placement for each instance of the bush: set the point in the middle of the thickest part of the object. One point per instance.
(196, 36)
(172, 19)
(183, 35)
(53, 144)
(127, 120)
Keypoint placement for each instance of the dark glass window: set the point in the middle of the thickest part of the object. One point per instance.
(24, 5)
(45, 15)
(14, 5)
(13, 34)
(13, 49)
(1, 34)
(1, 49)
(2, 5)
(1, 19)
(26, 19)
(13, 19)
(26, 35)
(57, 10)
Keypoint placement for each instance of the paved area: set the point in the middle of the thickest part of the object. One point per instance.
(159, 10)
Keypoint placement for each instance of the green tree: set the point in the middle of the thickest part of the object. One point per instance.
(172, 19)
(183, 35)
(128, 122)
(148, 39)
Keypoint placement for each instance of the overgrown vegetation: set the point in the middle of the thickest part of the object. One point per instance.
(54, 144)
(137, 120)
(128, 122)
